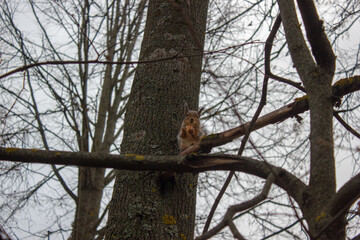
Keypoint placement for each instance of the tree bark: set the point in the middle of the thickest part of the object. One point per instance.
(316, 72)
(90, 190)
(142, 208)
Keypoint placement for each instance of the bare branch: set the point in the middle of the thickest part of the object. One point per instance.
(3, 234)
(96, 61)
(300, 105)
(347, 126)
(63, 183)
(298, 217)
(41, 130)
(234, 230)
(356, 238)
(268, 47)
(320, 45)
(287, 81)
(240, 207)
(300, 53)
(191, 163)
(346, 195)
(217, 201)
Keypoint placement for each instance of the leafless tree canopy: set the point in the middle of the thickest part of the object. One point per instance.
(280, 90)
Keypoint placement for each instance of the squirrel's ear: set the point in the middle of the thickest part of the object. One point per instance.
(186, 108)
(200, 111)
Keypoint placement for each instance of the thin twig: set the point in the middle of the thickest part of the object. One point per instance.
(12, 106)
(346, 126)
(287, 81)
(268, 47)
(240, 207)
(96, 61)
(78, 24)
(217, 201)
(298, 217)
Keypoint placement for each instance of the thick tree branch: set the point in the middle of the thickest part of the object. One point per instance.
(299, 51)
(191, 163)
(279, 115)
(346, 195)
(261, 169)
(300, 105)
(346, 85)
(320, 45)
(234, 230)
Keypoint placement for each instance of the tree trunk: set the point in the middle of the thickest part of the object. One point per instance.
(142, 208)
(91, 184)
(316, 71)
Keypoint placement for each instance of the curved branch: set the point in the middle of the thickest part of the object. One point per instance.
(284, 179)
(268, 47)
(346, 126)
(227, 220)
(346, 196)
(320, 45)
(341, 202)
(269, 44)
(63, 184)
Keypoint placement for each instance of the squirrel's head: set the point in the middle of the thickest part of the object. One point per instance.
(192, 117)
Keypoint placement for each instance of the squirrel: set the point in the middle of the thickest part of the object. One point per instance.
(191, 131)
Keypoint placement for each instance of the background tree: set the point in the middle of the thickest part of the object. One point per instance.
(69, 107)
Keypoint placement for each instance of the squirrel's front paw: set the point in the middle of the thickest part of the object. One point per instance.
(190, 130)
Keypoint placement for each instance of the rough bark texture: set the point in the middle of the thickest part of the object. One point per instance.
(316, 72)
(90, 190)
(141, 208)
